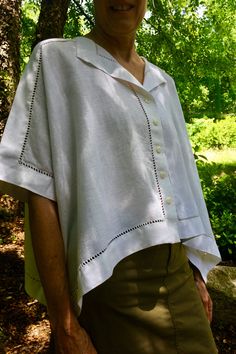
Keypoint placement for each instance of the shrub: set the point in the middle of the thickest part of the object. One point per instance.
(219, 188)
(209, 134)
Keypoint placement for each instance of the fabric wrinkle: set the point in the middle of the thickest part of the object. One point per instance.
(111, 140)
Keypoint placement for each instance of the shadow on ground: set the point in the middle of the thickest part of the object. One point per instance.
(19, 313)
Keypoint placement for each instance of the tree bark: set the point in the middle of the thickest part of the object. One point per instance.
(52, 20)
(9, 55)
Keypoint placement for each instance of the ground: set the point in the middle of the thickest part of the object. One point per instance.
(24, 326)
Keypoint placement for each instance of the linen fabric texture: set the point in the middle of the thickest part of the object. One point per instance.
(112, 152)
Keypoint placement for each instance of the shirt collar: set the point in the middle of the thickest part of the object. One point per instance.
(89, 51)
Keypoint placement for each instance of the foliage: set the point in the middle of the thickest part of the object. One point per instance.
(217, 134)
(74, 23)
(77, 24)
(84, 12)
(29, 16)
(79, 20)
(219, 188)
(218, 180)
(195, 43)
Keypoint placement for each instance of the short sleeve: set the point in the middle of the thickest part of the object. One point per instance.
(25, 150)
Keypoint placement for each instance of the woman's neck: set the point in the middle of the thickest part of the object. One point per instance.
(122, 48)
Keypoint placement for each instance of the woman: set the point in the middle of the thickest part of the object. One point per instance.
(97, 138)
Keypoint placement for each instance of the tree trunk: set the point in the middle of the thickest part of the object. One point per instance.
(52, 19)
(9, 55)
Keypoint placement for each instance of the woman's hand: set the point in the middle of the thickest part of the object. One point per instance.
(203, 292)
(72, 339)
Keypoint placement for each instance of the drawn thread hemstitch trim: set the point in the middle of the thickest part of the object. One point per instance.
(84, 263)
(21, 160)
(153, 156)
(103, 56)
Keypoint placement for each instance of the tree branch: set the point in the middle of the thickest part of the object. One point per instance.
(82, 11)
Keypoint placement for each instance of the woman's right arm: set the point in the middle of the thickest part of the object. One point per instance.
(49, 252)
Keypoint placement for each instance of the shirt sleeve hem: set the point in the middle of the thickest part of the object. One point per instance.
(202, 260)
(19, 180)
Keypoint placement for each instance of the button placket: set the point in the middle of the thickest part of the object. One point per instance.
(148, 110)
(149, 105)
(159, 158)
(162, 168)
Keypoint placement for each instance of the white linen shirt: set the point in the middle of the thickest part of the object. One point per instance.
(112, 152)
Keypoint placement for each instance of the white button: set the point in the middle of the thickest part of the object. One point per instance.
(155, 122)
(158, 149)
(146, 99)
(169, 200)
(163, 174)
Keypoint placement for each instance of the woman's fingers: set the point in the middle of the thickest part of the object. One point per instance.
(205, 297)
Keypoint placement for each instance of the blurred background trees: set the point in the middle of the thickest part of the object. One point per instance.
(9, 54)
(193, 40)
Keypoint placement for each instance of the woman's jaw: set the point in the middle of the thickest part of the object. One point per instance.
(119, 18)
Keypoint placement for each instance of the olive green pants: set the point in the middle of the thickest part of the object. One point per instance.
(150, 305)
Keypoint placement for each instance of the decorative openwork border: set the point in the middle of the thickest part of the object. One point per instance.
(84, 263)
(152, 151)
(21, 159)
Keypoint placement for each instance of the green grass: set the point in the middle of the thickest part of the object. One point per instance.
(226, 156)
